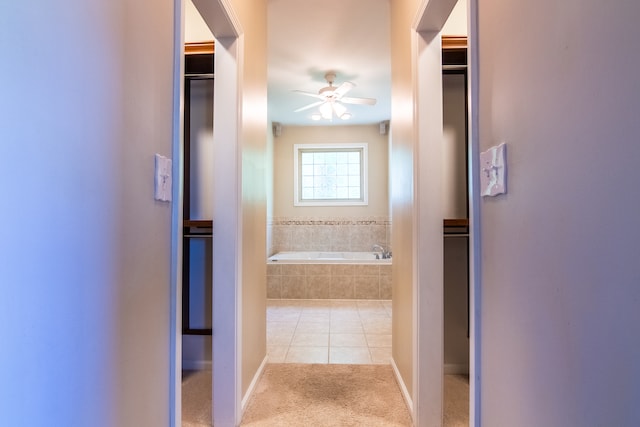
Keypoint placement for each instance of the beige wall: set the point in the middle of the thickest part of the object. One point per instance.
(456, 25)
(330, 228)
(144, 240)
(195, 29)
(560, 269)
(253, 151)
(401, 176)
(378, 170)
(85, 305)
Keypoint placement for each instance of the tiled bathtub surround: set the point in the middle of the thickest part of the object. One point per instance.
(328, 234)
(328, 281)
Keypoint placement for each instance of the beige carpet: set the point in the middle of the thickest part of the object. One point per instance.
(456, 401)
(327, 395)
(196, 398)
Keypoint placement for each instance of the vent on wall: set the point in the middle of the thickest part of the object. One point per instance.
(277, 129)
(384, 127)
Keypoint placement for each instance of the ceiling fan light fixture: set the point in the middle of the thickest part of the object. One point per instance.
(339, 109)
(325, 111)
(331, 99)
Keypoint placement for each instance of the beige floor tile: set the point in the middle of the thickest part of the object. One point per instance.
(322, 308)
(379, 340)
(281, 327)
(310, 340)
(307, 355)
(346, 326)
(315, 316)
(355, 355)
(298, 331)
(380, 355)
(377, 326)
(277, 353)
(283, 315)
(279, 339)
(347, 340)
(345, 315)
(313, 327)
(373, 313)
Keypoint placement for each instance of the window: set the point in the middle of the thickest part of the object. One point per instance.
(330, 174)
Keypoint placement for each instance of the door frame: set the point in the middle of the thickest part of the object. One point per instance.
(220, 17)
(223, 23)
(428, 295)
(475, 263)
(175, 285)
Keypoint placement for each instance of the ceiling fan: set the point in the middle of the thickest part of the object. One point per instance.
(332, 97)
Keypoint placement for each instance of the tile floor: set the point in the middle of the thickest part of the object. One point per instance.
(329, 331)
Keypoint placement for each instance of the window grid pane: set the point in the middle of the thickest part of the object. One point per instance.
(331, 174)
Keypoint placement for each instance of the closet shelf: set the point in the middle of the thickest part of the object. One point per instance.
(459, 222)
(198, 223)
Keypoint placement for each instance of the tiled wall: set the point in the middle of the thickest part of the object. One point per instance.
(328, 281)
(333, 234)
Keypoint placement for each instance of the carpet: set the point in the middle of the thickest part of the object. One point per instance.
(456, 401)
(196, 398)
(327, 395)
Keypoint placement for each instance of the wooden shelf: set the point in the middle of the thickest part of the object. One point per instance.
(448, 42)
(460, 222)
(199, 48)
(454, 42)
(198, 223)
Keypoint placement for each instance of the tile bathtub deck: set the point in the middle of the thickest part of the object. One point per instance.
(329, 331)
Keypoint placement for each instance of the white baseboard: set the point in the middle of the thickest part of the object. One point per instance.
(453, 369)
(196, 365)
(252, 386)
(403, 387)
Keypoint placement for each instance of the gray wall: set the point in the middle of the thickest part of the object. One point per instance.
(560, 271)
(196, 349)
(84, 259)
(454, 177)
(456, 261)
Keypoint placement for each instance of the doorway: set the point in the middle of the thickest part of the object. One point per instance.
(229, 311)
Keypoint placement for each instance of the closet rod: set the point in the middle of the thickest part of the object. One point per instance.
(201, 76)
(457, 235)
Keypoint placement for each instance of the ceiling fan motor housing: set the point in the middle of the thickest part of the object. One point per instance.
(328, 90)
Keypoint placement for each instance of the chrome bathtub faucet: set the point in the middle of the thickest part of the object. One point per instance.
(383, 253)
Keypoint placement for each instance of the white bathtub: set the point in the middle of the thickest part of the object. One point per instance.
(327, 258)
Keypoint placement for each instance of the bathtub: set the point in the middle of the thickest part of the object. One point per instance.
(328, 275)
(327, 258)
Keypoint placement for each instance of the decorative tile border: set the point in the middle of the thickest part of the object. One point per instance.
(327, 234)
(328, 221)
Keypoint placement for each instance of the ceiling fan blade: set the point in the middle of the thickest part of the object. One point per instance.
(361, 101)
(342, 89)
(314, 95)
(306, 107)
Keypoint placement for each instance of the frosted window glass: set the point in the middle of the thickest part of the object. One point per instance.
(331, 174)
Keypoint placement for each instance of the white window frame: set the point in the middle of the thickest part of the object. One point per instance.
(364, 161)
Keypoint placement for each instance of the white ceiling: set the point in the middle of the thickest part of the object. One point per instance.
(307, 38)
